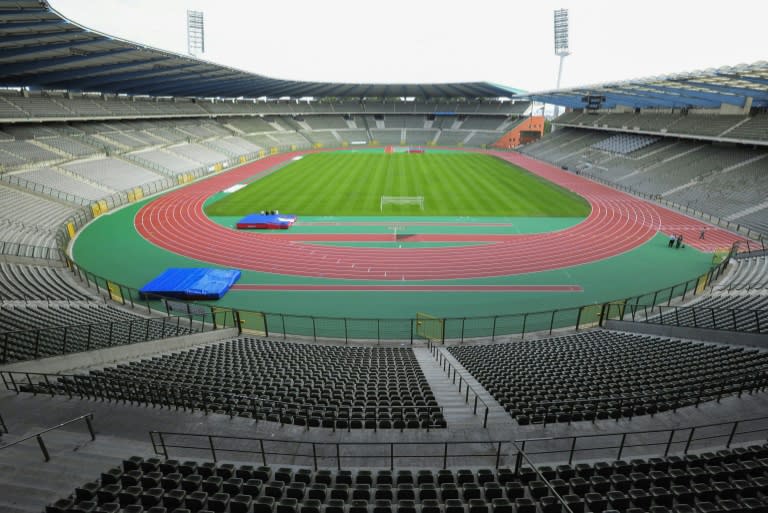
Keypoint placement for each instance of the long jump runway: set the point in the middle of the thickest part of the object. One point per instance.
(617, 223)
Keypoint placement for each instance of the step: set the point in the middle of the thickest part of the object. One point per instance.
(456, 409)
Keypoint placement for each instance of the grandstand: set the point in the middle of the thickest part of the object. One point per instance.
(247, 418)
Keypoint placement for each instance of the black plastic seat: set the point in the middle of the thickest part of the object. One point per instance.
(264, 504)
(596, 502)
(242, 503)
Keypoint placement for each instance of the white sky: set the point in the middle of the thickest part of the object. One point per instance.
(506, 42)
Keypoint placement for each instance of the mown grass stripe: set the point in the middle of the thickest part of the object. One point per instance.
(351, 184)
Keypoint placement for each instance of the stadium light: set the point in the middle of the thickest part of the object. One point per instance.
(195, 33)
(561, 44)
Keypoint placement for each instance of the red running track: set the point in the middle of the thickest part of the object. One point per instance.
(617, 223)
(411, 288)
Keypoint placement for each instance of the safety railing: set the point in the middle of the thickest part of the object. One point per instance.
(270, 324)
(554, 499)
(15, 249)
(88, 418)
(646, 443)
(58, 340)
(529, 452)
(169, 395)
(469, 393)
(732, 319)
(271, 451)
(44, 189)
(461, 328)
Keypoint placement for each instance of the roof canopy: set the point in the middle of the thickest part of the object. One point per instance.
(708, 89)
(41, 48)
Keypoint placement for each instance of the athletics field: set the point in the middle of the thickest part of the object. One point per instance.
(523, 236)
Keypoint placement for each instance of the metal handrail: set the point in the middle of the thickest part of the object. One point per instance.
(438, 355)
(667, 443)
(709, 313)
(88, 417)
(406, 326)
(518, 464)
(143, 324)
(176, 391)
(162, 442)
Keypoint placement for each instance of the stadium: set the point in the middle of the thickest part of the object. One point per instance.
(226, 292)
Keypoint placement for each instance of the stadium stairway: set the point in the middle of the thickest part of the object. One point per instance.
(496, 414)
(455, 408)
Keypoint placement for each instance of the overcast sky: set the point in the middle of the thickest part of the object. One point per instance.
(506, 42)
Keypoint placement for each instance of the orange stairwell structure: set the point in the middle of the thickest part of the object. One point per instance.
(529, 130)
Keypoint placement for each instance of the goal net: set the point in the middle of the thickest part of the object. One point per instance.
(401, 200)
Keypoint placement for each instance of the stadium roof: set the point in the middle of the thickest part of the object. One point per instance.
(41, 48)
(708, 89)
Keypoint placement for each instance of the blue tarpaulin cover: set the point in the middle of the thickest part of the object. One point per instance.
(267, 221)
(192, 283)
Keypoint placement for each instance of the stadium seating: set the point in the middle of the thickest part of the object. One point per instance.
(324, 386)
(34, 330)
(29, 220)
(625, 143)
(738, 302)
(19, 282)
(67, 183)
(725, 480)
(602, 374)
(113, 173)
(725, 181)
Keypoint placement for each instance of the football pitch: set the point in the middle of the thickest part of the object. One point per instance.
(352, 184)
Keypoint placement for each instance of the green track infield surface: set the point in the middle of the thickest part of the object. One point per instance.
(110, 247)
(352, 184)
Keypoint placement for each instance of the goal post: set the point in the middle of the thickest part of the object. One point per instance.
(430, 327)
(401, 200)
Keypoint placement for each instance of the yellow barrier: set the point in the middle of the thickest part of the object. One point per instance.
(71, 230)
(430, 327)
(702, 283)
(253, 322)
(114, 292)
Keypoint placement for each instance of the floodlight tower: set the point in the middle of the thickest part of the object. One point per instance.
(561, 43)
(195, 33)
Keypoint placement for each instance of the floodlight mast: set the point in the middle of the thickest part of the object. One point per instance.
(561, 44)
(195, 33)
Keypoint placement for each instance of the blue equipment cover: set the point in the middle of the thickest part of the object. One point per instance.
(191, 283)
(267, 221)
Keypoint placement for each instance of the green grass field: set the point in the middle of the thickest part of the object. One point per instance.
(452, 184)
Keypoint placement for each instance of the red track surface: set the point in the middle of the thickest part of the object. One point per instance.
(413, 288)
(618, 223)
